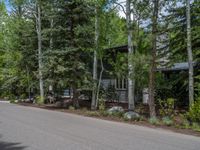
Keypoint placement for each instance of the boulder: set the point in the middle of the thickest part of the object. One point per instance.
(115, 109)
(59, 104)
(131, 115)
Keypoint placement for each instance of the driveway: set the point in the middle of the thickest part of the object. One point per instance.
(27, 128)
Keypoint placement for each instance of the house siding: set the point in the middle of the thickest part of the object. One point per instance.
(121, 94)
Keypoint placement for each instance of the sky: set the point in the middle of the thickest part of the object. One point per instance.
(7, 5)
(121, 13)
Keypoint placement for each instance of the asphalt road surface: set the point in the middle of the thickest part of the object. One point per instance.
(26, 128)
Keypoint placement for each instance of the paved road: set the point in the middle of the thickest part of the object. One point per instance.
(26, 128)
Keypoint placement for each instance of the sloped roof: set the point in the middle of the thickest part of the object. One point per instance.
(177, 67)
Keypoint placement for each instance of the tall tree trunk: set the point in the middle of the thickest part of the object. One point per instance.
(39, 36)
(51, 48)
(95, 62)
(51, 34)
(131, 83)
(99, 84)
(28, 82)
(153, 63)
(75, 97)
(190, 57)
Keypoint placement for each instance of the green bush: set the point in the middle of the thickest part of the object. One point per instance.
(39, 100)
(194, 112)
(154, 121)
(12, 101)
(71, 108)
(167, 107)
(102, 105)
(84, 109)
(196, 126)
(186, 124)
(167, 121)
(23, 96)
(93, 113)
(117, 114)
(104, 113)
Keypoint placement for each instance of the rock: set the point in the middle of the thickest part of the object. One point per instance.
(131, 115)
(115, 109)
(58, 104)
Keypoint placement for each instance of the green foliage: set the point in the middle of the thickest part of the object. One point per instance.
(84, 109)
(71, 108)
(104, 113)
(110, 93)
(194, 112)
(102, 105)
(141, 74)
(39, 100)
(117, 114)
(196, 126)
(93, 113)
(12, 101)
(167, 107)
(154, 121)
(167, 121)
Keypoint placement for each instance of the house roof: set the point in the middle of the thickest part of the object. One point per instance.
(123, 48)
(178, 67)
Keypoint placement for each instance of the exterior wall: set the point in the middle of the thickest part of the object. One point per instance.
(106, 82)
(121, 94)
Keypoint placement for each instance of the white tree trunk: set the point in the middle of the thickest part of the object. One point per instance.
(39, 36)
(95, 62)
(190, 57)
(99, 84)
(51, 34)
(131, 83)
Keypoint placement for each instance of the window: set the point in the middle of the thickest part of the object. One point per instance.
(121, 84)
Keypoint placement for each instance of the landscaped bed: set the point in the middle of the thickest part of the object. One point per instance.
(143, 120)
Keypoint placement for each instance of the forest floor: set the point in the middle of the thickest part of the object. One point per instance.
(96, 114)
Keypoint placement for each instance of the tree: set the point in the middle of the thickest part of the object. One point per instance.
(190, 56)
(153, 61)
(39, 38)
(179, 40)
(95, 62)
(131, 82)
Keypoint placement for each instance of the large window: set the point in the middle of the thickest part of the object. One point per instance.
(121, 84)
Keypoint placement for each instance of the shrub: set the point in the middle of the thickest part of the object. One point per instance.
(154, 121)
(167, 107)
(102, 105)
(23, 96)
(117, 114)
(71, 108)
(104, 113)
(194, 112)
(181, 121)
(84, 109)
(196, 126)
(167, 121)
(12, 101)
(116, 111)
(39, 100)
(93, 113)
(186, 124)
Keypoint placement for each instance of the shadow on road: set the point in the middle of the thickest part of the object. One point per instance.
(11, 146)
